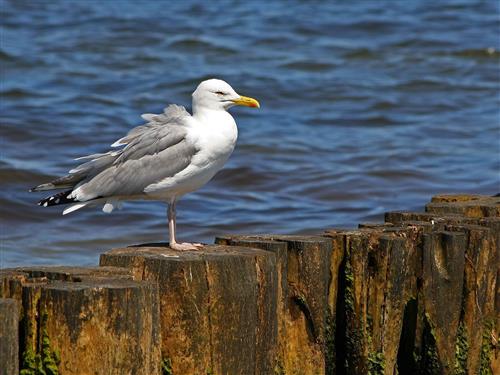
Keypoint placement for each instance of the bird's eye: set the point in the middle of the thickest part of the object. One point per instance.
(219, 93)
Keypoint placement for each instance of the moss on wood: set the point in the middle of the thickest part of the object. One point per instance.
(166, 366)
(354, 326)
(376, 363)
(486, 350)
(46, 361)
(461, 350)
(330, 353)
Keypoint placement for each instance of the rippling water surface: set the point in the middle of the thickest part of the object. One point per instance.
(366, 107)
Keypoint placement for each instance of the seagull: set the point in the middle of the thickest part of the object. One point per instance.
(172, 154)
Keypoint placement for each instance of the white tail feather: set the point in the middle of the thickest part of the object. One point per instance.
(74, 207)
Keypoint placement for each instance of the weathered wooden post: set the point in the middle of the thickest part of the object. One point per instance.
(458, 321)
(303, 314)
(217, 305)
(9, 336)
(376, 279)
(85, 321)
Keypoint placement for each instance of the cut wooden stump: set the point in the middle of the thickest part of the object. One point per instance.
(77, 320)
(9, 337)
(466, 205)
(458, 313)
(304, 316)
(442, 286)
(376, 279)
(218, 305)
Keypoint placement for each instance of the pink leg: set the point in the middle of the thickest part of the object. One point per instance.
(171, 227)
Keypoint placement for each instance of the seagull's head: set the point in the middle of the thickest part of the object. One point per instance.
(216, 94)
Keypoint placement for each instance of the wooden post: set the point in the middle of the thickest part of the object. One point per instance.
(303, 314)
(468, 344)
(376, 279)
(466, 205)
(218, 305)
(104, 323)
(9, 338)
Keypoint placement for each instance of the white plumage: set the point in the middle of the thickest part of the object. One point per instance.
(174, 153)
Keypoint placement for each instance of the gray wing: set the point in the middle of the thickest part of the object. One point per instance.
(151, 152)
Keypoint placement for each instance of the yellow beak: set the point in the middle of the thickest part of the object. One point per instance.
(246, 101)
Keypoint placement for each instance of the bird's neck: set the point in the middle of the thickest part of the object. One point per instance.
(203, 113)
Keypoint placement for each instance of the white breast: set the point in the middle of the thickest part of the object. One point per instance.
(214, 133)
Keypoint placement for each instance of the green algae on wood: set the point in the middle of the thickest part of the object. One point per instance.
(486, 350)
(166, 367)
(376, 363)
(30, 363)
(354, 332)
(47, 361)
(461, 350)
(50, 358)
(330, 353)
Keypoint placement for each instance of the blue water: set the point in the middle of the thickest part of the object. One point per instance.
(367, 106)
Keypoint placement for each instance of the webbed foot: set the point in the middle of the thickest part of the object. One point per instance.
(186, 246)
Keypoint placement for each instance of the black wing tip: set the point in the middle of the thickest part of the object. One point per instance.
(56, 199)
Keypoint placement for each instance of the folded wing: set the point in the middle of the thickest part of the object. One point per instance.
(150, 153)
